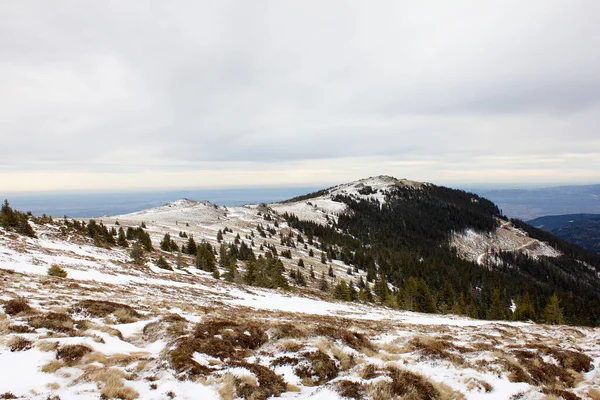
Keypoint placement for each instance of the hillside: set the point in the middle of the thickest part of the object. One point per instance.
(373, 289)
(580, 229)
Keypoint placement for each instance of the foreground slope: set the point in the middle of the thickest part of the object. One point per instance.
(123, 331)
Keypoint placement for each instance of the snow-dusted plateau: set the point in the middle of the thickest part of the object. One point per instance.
(113, 328)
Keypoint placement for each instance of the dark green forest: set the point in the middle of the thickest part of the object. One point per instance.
(405, 242)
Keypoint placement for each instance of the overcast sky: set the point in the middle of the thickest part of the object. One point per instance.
(158, 94)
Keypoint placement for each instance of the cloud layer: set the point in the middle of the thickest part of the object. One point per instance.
(103, 94)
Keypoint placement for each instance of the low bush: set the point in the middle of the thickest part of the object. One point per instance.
(56, 270)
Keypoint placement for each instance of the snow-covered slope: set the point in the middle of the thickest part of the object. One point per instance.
(481, 247)
(322, 207)
(168, 334)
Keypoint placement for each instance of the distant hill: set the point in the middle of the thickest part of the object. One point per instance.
(581, 229)
(527, 204)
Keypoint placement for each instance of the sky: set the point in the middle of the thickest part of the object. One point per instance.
(110, 95)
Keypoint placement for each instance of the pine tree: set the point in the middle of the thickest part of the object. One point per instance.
(165, 244)
(496, 310)
(137, 254)
(410, 294)
(323, 284)
(525, 309)
(191, 246)
(340, 291)
(219, 236)
(162, 263)
(121, 240)
(330, 272)
(445, 298)
(553, 313)
(424, 300)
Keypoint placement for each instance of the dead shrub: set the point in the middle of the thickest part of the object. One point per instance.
(350, 389)
(318, 367)
(72, 353)
(17, 306)
(53, 321)
(102, 308)
(19, 343)
(8, 395)
(269, 383)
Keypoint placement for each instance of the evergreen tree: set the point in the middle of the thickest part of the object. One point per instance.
(496, 310)
(410, 294)
(446, 298)
(219, 236)
(525, 310)
(180, 261)
(340, 291)
(205, 257)
(162, 263)
(137, 254)
(330, 272)
(191, 246)
(553, 313)
(323, 284)
(424, 300)
(165, 244)
(122, 240)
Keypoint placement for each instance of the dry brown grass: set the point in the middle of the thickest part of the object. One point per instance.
(47, 345)
(71, 354)
(110, 382)
(593, 394)
(168, 327)
(52, 386)
(478, 385)
(350, 389)
(125, 316)
(17, 306)
(436, 349)
(53, 321)
(269, 383)
(102, 308)
(227, 389)
(52, 366)
(317, 368)
(19, 343)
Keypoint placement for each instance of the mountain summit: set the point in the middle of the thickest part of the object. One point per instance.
(375, 286)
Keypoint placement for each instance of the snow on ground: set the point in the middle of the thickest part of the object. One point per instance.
(479, 246)
(475, 359)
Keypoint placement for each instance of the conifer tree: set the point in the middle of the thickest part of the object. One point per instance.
(553, 313)
(122, 240)
(525, 309)
(496, 310)
(191, 246)
(323, 284)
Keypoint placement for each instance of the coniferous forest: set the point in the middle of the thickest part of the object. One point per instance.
(404, 241)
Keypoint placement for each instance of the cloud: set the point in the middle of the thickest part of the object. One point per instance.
(118, 93)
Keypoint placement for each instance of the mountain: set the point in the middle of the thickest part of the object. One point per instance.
(528, 204)
(581, 229)
(374, 289)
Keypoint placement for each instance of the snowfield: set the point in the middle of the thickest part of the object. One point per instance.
(119, 330)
